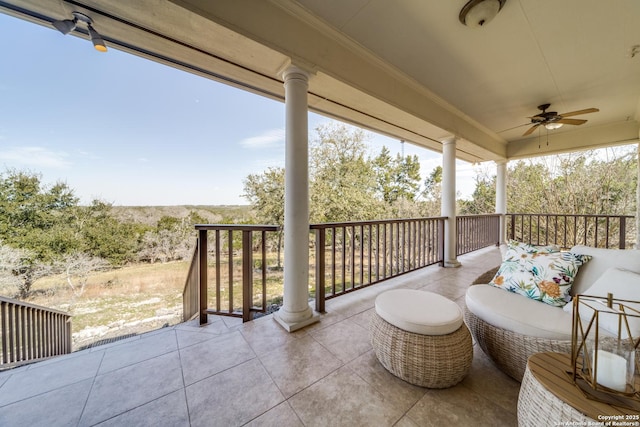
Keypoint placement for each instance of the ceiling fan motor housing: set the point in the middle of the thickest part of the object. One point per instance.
(545, 116)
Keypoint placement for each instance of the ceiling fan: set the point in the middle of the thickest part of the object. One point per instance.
(553, 120)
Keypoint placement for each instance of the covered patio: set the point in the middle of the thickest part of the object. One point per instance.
(410, 70)
(474, 89)
(230, 373)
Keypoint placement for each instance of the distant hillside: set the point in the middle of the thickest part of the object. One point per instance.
(151, 214)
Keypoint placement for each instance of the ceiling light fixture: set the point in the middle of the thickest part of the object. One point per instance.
(68, 25)
(553, 125)
(477, 13)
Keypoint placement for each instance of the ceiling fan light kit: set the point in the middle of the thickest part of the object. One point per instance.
(477, 13)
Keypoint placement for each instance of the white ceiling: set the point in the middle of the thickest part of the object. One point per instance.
(407, 68)
(573, 54)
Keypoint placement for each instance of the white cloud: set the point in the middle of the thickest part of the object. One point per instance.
(36, 157)
(267, 139)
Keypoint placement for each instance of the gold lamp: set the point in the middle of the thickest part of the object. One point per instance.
(603, 350)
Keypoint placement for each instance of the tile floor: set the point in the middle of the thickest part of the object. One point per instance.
(230, 374)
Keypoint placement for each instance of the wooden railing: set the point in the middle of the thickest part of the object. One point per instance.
(353, 255)
(31, 333)
(190, 301)
(477, 232)
(236, 292)
(601, 231)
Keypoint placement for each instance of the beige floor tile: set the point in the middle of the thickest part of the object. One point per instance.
(461, 407)
(488, 381)
(233, 397)
(298, 364)
(401, 393)
(280, 416)
(60, 407)
(266, 334)
(344, 399)
(346, 340)
(127, 388)
(167, 411)
(207, 358)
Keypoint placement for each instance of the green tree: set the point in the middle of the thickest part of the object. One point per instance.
(432, 193)
(265, 192)
(343, 181)
(483, 199)
(396, 178)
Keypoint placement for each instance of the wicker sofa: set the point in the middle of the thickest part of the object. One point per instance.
(509, 327)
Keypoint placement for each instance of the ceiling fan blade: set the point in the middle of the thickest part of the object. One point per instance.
(576, 113)
(515, 127)
(571, 121)
(530, 130)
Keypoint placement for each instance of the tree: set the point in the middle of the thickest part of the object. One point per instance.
(77, 267)
(432, 193)
(396, 178)
(483, 199)
(20, 268)
(343, 182)
(265, 192)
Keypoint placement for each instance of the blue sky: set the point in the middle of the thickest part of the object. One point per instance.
(133, 132)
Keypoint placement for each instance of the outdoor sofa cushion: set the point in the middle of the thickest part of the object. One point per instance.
(602, 259)
(514, 312)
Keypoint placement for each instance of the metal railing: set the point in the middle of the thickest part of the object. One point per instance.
(348, 256)
(353, 255)
(30, 333)
(600, 231)
(477, 232)
(234, 249)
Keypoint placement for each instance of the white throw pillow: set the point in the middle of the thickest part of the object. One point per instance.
(623, 284)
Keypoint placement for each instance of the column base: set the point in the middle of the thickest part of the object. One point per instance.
(292, 323)
(452, 264)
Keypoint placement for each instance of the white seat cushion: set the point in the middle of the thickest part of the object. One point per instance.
(420, 312)
(515, 313)
(628, 259)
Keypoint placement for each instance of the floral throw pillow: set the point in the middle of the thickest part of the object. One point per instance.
(542, 276)
(515, 248)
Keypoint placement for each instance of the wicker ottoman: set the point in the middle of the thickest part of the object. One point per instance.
(421, 338)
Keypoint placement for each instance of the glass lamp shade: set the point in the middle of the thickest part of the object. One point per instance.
(603, 349)
(482, 13)
(552, 126)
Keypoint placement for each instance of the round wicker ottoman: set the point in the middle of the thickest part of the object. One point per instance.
(421, 338)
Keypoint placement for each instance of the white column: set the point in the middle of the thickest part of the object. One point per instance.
(501, 198)
(295, 312)
(448, 204)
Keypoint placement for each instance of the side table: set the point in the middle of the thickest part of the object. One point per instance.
(549, 397)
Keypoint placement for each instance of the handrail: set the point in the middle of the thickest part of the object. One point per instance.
(600, 231)
(354, 255)
(31, 332)
(191, 290)
(227, 263)
(477, 232)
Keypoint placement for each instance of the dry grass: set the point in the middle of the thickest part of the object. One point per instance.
(127, 300)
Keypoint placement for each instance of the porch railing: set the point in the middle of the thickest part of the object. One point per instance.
(601, 231)
(30, 333)
(237, 251)
(353, 255)
(190, 302)
(477, 232)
